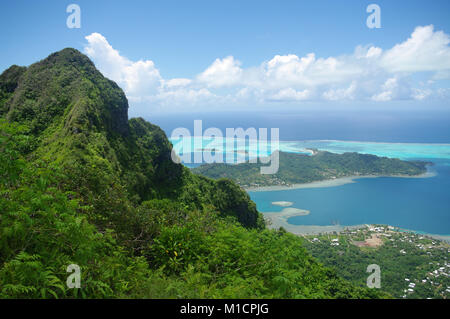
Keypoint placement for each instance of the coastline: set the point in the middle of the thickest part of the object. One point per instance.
(275, 220)
(445, 238)
(279, 219)
(331, 182)
(437, 237)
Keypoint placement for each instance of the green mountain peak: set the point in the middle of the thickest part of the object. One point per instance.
(65, 87)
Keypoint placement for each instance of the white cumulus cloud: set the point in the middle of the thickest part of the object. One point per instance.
(425, 50)
(136, 78)
(368, 73)
(223, 72)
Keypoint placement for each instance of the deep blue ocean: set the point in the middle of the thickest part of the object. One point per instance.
(382, 126)
(420, 204)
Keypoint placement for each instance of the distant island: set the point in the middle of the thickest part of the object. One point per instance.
(300, 169)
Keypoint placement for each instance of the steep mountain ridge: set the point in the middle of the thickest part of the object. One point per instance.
(79, 119)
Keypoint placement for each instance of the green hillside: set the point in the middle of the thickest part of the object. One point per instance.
(81, 184)
(299, 168)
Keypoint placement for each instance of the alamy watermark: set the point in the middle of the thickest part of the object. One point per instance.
(74, 279)
(194, 152)
(374, 279)
(374, 19)
(74, 19)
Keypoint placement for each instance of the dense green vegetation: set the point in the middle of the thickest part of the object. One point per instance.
(298, 168)
(81, 184)
(406, 260)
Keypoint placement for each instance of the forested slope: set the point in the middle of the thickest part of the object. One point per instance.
(81, 184)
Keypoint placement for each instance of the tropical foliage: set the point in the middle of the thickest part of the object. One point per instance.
(81, 184)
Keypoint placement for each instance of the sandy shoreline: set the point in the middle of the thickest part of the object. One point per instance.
(439, 237)
(283, 203)
(445, 238)
(275, 220)
(331, 182)
(279, 219)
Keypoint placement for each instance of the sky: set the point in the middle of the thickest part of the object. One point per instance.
(215, 56)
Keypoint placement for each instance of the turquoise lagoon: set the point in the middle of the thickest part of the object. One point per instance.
(254, 148)
(419, 204)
